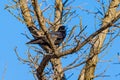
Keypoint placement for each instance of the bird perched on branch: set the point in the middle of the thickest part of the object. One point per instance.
(57, 37)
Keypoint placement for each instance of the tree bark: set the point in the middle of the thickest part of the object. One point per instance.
(56, 63)
(96, 47)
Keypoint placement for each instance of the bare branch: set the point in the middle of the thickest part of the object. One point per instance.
(28, 18)
(4, 72)
(104, 27)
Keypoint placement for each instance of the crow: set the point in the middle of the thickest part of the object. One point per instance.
(57, 37)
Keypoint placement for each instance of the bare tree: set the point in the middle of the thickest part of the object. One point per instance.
(42, 17)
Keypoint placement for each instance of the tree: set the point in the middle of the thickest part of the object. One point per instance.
(41, 21)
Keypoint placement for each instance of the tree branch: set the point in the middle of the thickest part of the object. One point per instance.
(28, 18)
(41, 21)
(80, 45)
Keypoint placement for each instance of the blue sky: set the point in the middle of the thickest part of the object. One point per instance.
(11, 29)
(10, 37)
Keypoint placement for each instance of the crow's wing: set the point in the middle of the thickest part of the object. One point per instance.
(56, 34)
(58, 41)
(60, 38)
(40, 40)
(57, 37)
(60, 35)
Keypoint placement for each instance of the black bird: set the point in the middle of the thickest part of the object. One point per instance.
(57, 37)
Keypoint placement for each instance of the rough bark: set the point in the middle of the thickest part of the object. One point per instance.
(28, 18)
(56, 63)
(96, 47)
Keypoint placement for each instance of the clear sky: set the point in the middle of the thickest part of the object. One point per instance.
(10, 37)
